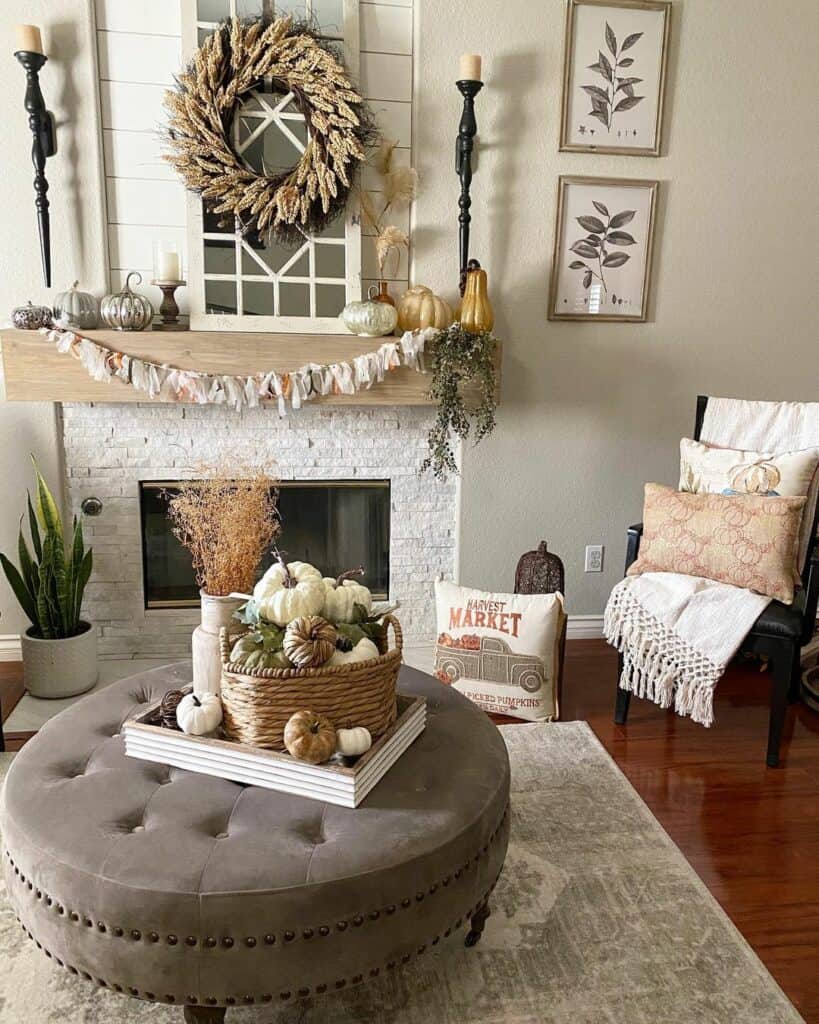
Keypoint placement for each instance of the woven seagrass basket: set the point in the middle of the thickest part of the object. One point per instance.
(257, 703)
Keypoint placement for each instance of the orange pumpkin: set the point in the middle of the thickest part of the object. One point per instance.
(310, 737)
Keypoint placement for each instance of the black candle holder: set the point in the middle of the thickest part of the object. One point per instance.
(467, 129)
(44, 145)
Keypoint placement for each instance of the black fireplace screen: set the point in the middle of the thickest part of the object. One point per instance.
(335, 525)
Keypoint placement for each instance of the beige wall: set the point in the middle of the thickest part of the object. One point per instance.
(591, 412)
(68, 84)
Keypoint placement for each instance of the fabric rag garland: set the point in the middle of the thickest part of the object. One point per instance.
(170, 384)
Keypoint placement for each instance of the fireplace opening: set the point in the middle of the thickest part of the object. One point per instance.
(333, 524)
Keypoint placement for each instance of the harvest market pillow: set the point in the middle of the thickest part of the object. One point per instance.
(747, 540)
(728, 471)
(500, 650)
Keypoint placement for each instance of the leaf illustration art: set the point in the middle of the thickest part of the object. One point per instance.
(603, 243)
(605, 101)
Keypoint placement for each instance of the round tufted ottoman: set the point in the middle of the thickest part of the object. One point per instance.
(180, 888)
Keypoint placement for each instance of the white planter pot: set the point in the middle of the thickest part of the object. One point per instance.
(60, 668)
(207, 659)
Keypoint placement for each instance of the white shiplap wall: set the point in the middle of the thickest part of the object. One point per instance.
(139, 46)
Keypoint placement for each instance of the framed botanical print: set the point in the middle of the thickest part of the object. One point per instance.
(601, 267)
(614, 69)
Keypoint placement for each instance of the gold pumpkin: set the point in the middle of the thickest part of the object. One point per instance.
(309, 640)
(310, 737)
(419, 307)
(476, 309)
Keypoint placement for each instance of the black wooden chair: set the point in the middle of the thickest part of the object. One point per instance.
(779, 633)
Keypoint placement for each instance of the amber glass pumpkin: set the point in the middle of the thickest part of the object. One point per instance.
(419, 307)
(476, 309)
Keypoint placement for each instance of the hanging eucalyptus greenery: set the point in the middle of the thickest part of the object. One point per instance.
(460, 357)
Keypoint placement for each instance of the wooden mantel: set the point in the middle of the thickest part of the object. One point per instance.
(34, 371)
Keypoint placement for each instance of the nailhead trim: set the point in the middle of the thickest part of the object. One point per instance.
(250, 941)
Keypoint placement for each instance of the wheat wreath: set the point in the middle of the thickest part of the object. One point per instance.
(235, 59)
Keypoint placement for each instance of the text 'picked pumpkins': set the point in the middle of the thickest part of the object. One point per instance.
(419, 307)
(476, 309)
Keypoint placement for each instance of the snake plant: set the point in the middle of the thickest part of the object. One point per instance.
(50, 582)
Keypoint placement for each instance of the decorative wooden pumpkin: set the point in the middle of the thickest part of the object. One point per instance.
(363, 651)
(371, 318)
(127, 310)
(476, 309)
(198, 714)
(309, 640)
(76, 309)
(342, 594)
(353, 742)
(31, 317)
(310, 737)
(419, 307)
(289, 590)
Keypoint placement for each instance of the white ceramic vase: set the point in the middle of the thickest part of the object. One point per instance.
(207, 659)
(60, 668)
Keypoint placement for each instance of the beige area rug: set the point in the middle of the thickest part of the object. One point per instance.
(597, 919)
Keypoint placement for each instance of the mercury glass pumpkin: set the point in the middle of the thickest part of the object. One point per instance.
(369, 319)
(74, 308)
(127, 310)
(31, 317)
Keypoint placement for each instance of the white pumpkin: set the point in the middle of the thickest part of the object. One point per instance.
(352, 742)
(198, 714)
(363, 651)
(288, 591)
(342, 595)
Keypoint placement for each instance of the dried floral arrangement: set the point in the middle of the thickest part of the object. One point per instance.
(458, 357)
(399, 186)
(227, 520)
(229, 64)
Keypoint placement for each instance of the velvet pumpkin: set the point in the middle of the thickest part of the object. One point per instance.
(310, 737)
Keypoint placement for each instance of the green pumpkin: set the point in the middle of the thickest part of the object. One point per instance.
(251, 652)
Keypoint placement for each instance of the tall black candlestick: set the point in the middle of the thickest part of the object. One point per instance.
(467, 130)
(43, 146)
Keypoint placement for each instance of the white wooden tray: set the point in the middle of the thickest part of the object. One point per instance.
(337, 782)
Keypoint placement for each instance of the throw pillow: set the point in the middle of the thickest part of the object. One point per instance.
(502, 651)
(747, 540)
(729, 471)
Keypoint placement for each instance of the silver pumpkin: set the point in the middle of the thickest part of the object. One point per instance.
(369, 319)
(30, 317)
(127, 310)
(76, 309)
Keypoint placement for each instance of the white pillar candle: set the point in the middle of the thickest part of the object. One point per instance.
(469, 67)
(167, 265)
(28, 39)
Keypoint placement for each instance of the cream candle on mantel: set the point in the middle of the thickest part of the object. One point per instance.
(469, 67)
(28, 39)
(167, 265)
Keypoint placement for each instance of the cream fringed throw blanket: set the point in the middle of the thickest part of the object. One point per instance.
(677, 633)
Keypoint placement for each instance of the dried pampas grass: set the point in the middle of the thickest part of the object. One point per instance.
(227, 520)
(399, 186)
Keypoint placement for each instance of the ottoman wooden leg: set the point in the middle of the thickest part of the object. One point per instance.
(204, 1014)
(477, 924)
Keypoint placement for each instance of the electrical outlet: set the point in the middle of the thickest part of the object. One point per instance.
(594, 558)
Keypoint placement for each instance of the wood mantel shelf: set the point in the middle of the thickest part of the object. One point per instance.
(34, 371)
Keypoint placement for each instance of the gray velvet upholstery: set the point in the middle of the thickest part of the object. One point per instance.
(182, 888)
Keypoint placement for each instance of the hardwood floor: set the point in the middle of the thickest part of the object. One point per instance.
(11, 690)
(750, 832)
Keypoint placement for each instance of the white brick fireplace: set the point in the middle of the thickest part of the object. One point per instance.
(110, 448)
